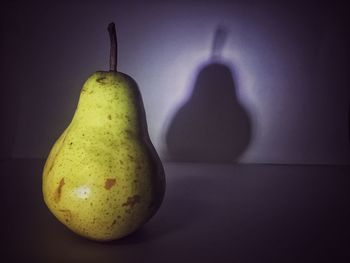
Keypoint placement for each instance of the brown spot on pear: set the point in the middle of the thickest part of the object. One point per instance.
(58, 192)
(67, 214)
(133, 200)
(109, 183)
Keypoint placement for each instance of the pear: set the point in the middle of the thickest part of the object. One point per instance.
(103, 178)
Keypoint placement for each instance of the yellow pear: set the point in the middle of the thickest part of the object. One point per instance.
(103, 178)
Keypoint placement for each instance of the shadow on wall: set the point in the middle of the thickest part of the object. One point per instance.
(212, 126)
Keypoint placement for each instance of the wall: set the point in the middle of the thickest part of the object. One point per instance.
(284, 66)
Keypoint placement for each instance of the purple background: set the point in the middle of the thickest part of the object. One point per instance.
(287, 66)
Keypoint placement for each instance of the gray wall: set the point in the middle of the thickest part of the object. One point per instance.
(284, 67)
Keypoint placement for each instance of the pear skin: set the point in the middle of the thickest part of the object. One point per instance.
(103, 178)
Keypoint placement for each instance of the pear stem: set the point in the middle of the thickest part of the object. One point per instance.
(114, 47)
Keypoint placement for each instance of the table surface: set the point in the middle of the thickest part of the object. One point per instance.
(211, 213)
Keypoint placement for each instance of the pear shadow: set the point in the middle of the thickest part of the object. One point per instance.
(212, 125)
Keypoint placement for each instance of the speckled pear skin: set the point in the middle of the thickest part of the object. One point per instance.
(103, 178)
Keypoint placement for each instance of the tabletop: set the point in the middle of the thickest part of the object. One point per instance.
(211, 213)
